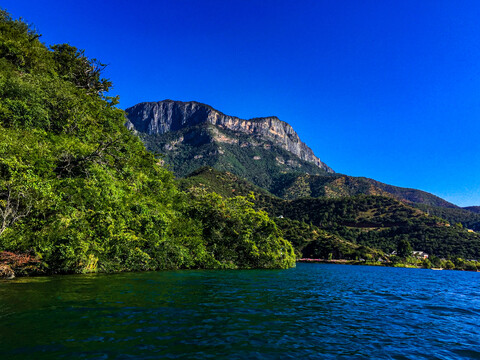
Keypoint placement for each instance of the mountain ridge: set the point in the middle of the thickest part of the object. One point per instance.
(158, 118)
(338, 185)
(475, 209)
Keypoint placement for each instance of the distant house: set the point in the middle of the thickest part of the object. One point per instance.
(420, 255)
(470, 230)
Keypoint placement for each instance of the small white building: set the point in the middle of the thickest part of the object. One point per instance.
(420, 255)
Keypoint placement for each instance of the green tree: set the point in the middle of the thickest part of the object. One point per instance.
(404, 249)
(449, 265)
(427, 264)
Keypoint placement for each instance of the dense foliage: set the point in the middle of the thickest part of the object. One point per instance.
(80, 193)
(238, 235)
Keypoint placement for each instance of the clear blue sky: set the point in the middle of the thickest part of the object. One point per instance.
(384, 89)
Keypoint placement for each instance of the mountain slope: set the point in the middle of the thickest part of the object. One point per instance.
(468, 219)
(337, 185)
(308, 240)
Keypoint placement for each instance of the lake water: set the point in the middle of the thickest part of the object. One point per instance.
(315, 311)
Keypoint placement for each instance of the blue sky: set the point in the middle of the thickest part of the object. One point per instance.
(384, 89)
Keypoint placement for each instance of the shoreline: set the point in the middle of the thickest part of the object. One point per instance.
(340, 262)
(367, 263)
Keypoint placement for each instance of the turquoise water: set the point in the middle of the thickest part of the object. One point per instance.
(315, 311)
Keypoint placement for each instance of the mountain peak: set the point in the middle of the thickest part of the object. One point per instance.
(156, 118)
(190, 110)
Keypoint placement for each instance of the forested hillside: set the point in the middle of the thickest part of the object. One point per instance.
(377, 222)
(79, 192)
(294, 186)
(458, 216)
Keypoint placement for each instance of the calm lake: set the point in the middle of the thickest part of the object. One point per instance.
(315, 311)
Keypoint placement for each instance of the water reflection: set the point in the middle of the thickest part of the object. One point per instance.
(327, 311)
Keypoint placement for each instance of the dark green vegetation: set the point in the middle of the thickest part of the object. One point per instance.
(455, 216)
(475, 209)
(294, 186)
(308, 240)
(80, 193)
(256, 160)
(349, 227)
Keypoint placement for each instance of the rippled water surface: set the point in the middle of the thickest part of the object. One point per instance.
(314, 311)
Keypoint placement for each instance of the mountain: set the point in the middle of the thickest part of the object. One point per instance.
(191, 135)
(265, 151)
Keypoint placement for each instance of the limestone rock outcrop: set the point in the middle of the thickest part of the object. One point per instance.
(168, 116)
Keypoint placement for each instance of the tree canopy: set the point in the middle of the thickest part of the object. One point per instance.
(79, 192)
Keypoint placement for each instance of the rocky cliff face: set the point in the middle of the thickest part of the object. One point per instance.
(167, 116)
